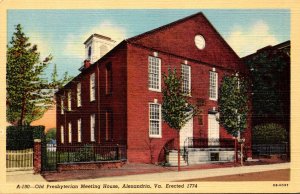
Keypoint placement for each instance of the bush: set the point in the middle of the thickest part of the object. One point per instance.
(21, 137)
(51, 134)
(86, 153)
(269, 133)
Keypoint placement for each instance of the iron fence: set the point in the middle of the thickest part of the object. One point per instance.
(89, 153)
(194, 142)
(269, 149)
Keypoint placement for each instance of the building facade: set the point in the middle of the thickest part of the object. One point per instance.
(117, 99)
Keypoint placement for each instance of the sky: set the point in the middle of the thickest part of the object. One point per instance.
(61, 33)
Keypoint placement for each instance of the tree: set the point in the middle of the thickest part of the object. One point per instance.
(269, 133)
(51, 134)
(176, 109)
(29, 95)
(233, 105)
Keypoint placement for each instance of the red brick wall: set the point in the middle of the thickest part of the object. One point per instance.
(116, 102)
(179, 39)
(139, 96)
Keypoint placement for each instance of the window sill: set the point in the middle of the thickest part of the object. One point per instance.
(213, 99)
(154, 90)
(155, 136)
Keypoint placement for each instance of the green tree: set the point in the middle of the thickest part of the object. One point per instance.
(270, 79)
(176, 109)
(29, 95)
(51, 134)
(233, 104)
(233, 107)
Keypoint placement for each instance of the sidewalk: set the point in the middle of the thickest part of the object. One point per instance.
(23, 176)
(193, 174)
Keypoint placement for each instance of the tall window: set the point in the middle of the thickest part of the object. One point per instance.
(62, 134)
(186, 79)
(79, 130)
(62, 111)
(154, 71)
(154, 120)
(108, 79)
(69, 100)
(70, 132)
(92, 87)
(108, 125)
(213, 85)
(93, 127)
(78, 94)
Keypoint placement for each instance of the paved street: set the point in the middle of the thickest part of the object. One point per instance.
(184, 175)
(28, 176)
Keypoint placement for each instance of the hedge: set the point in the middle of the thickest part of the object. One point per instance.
(21, 137)
(269, 133)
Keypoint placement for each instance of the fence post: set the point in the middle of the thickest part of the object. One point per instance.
(117, 152)
(37, 156)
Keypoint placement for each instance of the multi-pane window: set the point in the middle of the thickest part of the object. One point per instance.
(79, 130)
(93, 127)
(154, 71)
(92, 87)
(108, 79)
(213, 85)
(154, 120)
(62, 134)
(70, 132)
(108, 125)
(69, 100)
(62, 111)
(186, 79)
(78, 94)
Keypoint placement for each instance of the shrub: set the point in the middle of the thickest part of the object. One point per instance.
(21, 137)
(269, 133)
(86, 153)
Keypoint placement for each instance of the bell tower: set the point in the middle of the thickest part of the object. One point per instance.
(96, 46)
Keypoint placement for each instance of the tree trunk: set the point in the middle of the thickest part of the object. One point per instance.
(178, 151)
(22, 112)
(235, 150)
(242, 154)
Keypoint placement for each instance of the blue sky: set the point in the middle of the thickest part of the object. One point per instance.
(62, 32)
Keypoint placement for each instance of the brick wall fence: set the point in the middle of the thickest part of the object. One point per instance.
(37, 156)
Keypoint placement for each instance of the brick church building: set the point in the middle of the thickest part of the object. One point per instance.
(117, 97)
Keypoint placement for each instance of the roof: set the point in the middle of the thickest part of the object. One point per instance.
(129, 40)
(278, 46)
(164, 26)
(99, 36)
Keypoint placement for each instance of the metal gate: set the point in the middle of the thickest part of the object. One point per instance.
(49, 157)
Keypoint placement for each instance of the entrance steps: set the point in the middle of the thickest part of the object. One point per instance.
(172, 158)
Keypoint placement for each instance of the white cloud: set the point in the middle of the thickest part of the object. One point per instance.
(74, 43)
(247, 40)
(43, 44)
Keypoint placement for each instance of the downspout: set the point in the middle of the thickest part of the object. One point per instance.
(98, 102)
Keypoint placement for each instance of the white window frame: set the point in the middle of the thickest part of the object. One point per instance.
(62, 111)
(151, 61)
(62, 134)
(92, 87)
(215, 89)
(79, 134)
(189, 93)
(159, 135)
(70, 132)
(79, 94)
(69, 100)
(93, 126)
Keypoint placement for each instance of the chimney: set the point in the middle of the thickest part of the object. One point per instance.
(87, 63)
